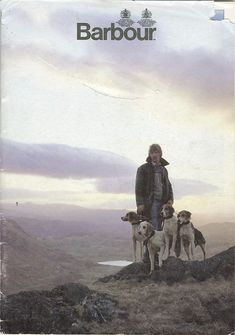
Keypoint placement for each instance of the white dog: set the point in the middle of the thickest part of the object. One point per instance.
(134, 220)
(170, 227)
(155, 241)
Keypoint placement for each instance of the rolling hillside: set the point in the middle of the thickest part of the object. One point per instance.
(59, 221)
(30, 264)
(50, 245)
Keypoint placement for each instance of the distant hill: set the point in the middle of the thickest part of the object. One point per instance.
(98, 235)
(72, 254)
(59, 212)
(58, 221)
(214, 229)
(57, 229)
(31, 264)
(52, 244)
(219, 236)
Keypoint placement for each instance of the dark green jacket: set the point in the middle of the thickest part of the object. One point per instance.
(144, 187)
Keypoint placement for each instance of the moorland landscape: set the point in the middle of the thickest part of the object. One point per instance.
(47, 250)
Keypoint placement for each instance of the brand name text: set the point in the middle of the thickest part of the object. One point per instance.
(84, 32)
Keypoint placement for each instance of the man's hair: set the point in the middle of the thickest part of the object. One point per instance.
(154, 148)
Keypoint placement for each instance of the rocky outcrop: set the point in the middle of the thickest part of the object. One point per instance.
(221, 264)
(68, 308)
(102, 308)
(175, 270)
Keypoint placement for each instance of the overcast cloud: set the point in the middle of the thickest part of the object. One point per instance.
(62, 161)
(111, 173)
(203, 71)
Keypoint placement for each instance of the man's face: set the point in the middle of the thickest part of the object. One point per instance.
(155, 156)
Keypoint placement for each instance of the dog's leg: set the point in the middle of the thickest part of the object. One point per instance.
(134, 248)
(192, 247)
(167, 240)
(162, 249)
(174, 243)
(182, 247)
(141, 251)
(151, 257)
(186, 248)
(202, 246)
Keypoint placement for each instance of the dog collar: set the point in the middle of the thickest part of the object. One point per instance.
(168, 217)
(138, 222)
(148, 238)
(184, 223)
(135, 223)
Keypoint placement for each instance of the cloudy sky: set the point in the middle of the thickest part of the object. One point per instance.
(78, 116)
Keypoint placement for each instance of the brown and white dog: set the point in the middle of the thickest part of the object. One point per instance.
(170, 228)
(134, 219)
(185, 229)
(155, 241)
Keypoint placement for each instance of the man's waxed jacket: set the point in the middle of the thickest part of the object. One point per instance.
(144, 188)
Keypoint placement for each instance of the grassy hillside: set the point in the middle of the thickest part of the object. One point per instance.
(126, 307)
(31, 264)
(132, 302)
(188, 308)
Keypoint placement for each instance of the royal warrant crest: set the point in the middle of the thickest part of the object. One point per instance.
(146, 19)
(125, 20)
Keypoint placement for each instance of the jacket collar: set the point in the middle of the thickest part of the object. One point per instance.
(163, 161)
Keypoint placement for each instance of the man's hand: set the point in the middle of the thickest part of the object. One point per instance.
(140, 209)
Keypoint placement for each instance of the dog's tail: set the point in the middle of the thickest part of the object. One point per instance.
(198, 237)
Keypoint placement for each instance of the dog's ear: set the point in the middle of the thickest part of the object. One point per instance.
(172, 211)
(150, 229)
(188, 214)
(132, 216)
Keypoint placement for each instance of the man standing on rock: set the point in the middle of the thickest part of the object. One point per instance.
(153, 188)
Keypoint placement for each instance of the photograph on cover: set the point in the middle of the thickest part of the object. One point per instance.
(117, 174)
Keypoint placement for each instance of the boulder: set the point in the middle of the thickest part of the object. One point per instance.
(221, 264)
(72, 293)
(172, 270)
(101, 307)
(36, 312)
(65, 309)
